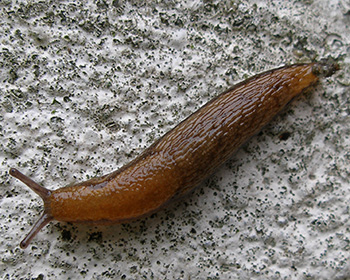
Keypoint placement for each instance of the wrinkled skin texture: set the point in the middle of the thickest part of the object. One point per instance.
(183, 157)
(187, 154)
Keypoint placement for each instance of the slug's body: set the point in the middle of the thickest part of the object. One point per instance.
(183, 157)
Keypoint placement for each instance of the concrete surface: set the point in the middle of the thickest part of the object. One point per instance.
(87, 85)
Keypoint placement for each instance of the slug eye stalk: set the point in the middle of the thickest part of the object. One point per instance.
(44, 193)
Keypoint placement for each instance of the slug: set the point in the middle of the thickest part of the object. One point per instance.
(183, 157)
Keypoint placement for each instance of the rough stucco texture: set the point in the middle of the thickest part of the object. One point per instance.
(85, 86)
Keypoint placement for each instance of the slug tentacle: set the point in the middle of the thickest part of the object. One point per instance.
(44, 219)
(45, 194)
(39, 190)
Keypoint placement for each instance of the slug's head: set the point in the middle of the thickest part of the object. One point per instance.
(45, 194)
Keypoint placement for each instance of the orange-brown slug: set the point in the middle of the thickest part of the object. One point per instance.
(183, 157)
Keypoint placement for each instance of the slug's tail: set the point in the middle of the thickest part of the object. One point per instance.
(326, 67)
(44, 193)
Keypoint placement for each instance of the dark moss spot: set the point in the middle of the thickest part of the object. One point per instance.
(66, 235)
(284, 136)
(96, 236)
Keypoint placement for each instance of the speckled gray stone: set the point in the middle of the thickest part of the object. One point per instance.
(85, 86)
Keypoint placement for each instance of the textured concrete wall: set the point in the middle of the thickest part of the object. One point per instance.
(86, 86)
